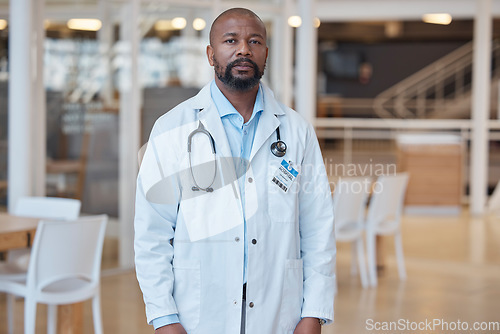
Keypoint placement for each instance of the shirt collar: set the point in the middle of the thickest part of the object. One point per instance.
(225, 108)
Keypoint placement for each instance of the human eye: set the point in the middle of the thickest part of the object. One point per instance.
(254, 41)
(229, 41)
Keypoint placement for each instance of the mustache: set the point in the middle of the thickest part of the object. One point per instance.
(240, 61)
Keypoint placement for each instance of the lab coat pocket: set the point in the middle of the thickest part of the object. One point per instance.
(187, 287)
(291, 302)
(282, 205)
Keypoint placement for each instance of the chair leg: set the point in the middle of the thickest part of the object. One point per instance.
(372, 257)
(11, 303)
(362, 263)
(398, 242)
(51, 319)
(354, 256)
(29, 315)
(336, 282)
(96, 313)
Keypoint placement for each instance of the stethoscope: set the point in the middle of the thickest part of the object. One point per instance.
(201, 129)
(278, 148)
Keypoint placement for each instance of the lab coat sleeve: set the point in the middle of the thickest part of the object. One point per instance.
(154, 226)
(317, 233)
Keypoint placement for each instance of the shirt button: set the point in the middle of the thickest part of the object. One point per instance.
(235, 302)
(254, 241)
(237, 239)
(250, 180)
(245, 132)
(251, 304)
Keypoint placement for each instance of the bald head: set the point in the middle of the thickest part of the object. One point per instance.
(231, 13)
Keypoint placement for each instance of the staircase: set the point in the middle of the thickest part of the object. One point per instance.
(439, 90)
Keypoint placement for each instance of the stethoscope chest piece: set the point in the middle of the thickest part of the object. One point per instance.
(278, 148)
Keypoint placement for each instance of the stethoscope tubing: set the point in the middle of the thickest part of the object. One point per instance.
(278, 148)
(201, 129)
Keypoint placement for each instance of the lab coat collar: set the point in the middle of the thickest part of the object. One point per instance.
(204, 98)
(268, 122)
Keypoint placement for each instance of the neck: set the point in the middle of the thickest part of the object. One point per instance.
(242, 101)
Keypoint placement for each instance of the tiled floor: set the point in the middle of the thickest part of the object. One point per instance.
(453, 269)
(453, 266)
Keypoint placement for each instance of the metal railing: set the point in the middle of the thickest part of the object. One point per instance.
(436, 90)
(349, 129)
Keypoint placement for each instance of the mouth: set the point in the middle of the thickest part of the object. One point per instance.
(243, 66)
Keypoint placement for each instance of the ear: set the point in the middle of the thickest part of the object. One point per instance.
(210, 55)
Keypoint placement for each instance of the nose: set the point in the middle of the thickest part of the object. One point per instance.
(244, 49)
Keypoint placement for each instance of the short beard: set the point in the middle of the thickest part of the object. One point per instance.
(232, 82)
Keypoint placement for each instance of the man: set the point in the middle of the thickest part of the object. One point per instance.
(234, 219)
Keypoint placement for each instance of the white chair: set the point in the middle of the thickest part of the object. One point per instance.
(493, 205)
(64, 268)
(384, 218)
(47, 207)
(43, 208)
(17, 260)
(349, 202)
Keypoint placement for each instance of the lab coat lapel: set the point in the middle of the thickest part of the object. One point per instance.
(268, 122)
(210, 118)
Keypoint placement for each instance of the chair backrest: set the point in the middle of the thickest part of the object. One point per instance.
(48, 207)
(493, 205)
(66, 250)
(386, 203)
(349, 202)
(140, 154)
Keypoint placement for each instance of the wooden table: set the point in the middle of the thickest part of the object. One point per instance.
(18, 232)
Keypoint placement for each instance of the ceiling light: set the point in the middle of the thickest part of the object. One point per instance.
(179, 23)
(316, 22)
(438, 18)
(3, 24)
(199, 24)
(393, 29)
(84, 24)
(163, 25)
(294, 21)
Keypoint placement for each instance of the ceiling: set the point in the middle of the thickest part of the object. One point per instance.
(327, 10)
(342, 20)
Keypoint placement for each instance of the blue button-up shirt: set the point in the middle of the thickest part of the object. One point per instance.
(240, 136)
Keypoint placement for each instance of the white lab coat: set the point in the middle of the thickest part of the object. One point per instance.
(189, 247)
